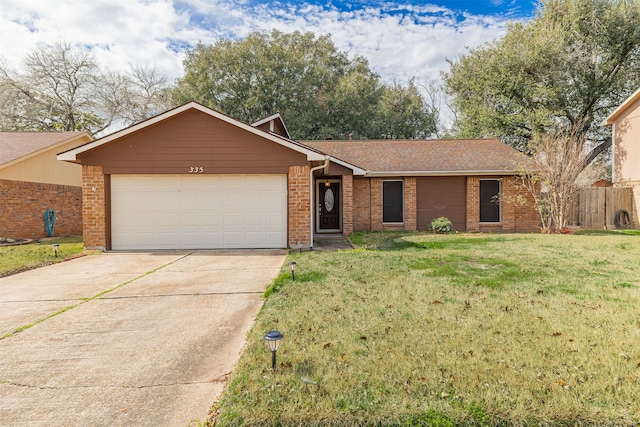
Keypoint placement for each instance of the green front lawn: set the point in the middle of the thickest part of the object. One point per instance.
(469, 329)
(14, 259)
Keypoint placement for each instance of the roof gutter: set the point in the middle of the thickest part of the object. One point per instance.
(312, 204)
(442, 173)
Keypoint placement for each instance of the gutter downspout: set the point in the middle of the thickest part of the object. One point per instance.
(312, 204)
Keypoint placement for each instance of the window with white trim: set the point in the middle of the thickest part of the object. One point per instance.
(392, 201)
(490, 200)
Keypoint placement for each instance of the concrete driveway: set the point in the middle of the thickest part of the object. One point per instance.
(148, 339)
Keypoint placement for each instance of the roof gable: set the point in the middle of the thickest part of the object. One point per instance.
(273, 123)
(425, 157)
(622, 108)
(72, 155)
(190, 139)
(18, 146)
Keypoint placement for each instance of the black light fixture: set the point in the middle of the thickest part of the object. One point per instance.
(55, 249)
(273, 340)
(292, 267)
(327, 184)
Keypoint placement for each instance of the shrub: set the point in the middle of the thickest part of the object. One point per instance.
(441, 225)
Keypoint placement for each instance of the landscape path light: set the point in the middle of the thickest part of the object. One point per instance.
(273, 340)
(292, 267)
(55, 249)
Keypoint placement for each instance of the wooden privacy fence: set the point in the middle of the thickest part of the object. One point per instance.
(596, 207)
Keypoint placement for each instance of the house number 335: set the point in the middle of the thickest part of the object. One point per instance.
(196, 169)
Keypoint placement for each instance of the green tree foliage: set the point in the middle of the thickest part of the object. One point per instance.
(565, 70)
(403, 113)
(64, 88)
(319, 91)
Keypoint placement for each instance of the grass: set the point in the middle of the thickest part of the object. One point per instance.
(471, 330)
(14, 259)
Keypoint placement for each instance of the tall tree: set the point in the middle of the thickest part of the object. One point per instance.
(565, 70)
(403, 113)
(318, 89)
(64, 88)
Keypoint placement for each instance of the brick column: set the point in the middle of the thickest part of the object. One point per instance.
(527, 217)
(376, 204)
(361, 206)
(473, 203)
(94, 226)
(410, 204)
(508, 202)
(347, 204)
(299, 208)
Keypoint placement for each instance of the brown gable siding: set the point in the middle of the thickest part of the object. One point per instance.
(193, 139)
(442, 196)
(280, 130)
(265, 127)
(277, 128)
(336, 169)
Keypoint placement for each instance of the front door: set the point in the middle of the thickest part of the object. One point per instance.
(328, 206)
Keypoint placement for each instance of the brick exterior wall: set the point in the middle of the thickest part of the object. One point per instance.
(94, 208)
(518, 212)
(23, 205)
(347, 204)
(410, 204)
(94, 212)
(473, 208)
(299, 205)
(361, 205)
(367, 205)
(376, 204)
(518, 207)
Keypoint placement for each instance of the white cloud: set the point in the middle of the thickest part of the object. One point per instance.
(400, 41)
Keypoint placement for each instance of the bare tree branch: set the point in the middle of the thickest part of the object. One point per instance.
(64, 88)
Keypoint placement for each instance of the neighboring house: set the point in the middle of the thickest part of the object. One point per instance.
(195, 178)
(32, 181)
(625, 121)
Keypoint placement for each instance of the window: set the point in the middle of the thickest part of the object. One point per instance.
(392, 201)
(489, 200)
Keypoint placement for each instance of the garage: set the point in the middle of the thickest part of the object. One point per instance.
(194, 178)
(198, 211)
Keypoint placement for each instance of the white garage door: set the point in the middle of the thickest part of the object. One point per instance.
(198, 211)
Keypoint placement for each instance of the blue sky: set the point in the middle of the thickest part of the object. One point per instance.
(401, 39)
(515, 8)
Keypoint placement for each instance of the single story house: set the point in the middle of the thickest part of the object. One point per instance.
(32, 181)
(195, 178)
(625, 123)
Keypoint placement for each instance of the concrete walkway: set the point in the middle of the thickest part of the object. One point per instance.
(147, 339)
(330, 242)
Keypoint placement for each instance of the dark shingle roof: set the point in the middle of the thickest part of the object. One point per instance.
(14, 145)
(437, 156)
